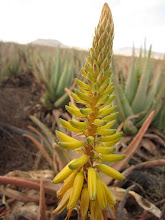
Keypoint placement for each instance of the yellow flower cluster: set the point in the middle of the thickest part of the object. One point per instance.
(94, 122)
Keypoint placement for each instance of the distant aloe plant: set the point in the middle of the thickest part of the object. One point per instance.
(55, 74)
(142, 92)
(10, 60)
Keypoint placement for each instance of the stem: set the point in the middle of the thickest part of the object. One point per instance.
(91, 131)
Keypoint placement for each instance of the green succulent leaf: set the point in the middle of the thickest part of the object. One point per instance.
(131, 83)
(140, 97)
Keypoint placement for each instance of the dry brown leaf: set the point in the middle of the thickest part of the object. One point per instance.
(147, 164)
(149, 146)
(30, 184)
(157, 138)
(28, 212)
(18, 195)
(46, 174)
(119, 193)
(146, 205)
(42, 207)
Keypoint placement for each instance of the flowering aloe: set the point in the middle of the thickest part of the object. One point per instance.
(94, 122)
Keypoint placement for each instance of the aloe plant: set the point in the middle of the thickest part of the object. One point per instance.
(143, 91)
(55, 74)
(10, 60)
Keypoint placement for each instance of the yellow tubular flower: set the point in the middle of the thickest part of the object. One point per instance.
(82, 84)
(111, 98)
(104, 150)
(92, 183)
(112, 157)
(86, 111)
(63, 203)
(109, 171)
(71, 145)
(78, 163)
(77, 124)
(93, 209)
(101, 194)
(106, 110)
(77, 99)
(111, 143)
(64, 137)
(96, 212)
(99, 122)
(82, 96)
(105, 131)
(84, 204)
(102, 100)
(111, 116)
(68, 126)
(109, 124)
(99, 214)
(110, 199)
(68, 183)
(61, 176)
(76, 190)
(111, 137)
(73, 111)
(94, 122)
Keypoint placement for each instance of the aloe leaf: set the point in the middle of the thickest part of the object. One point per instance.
(121, 116)
(140, 97)
(153, 90)
(47, 144)
(57, 70)
(66, 79)
(124, 102)
(156, 105)
(121, 80)
(45, 129)
(69, 79)
(131, 83)
(138, 67)
(43, 71)
(51, 138)
(48, 97)
(62, 101)
(159, 121)
(159, 98)
(39, 70)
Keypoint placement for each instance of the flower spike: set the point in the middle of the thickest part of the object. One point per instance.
(94, 122)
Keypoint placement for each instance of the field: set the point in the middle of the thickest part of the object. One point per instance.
(21, 95)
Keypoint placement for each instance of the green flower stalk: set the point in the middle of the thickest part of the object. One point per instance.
(94, 122)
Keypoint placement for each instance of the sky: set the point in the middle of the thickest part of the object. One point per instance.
(73, 22)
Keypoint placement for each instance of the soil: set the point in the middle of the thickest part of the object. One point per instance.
(18, 97)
